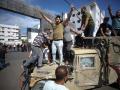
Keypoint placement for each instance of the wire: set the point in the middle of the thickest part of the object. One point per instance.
(74, 8)
(106, 2)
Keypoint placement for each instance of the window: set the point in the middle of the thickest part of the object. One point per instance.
(2, 28)
(17, 32)
(1, 39)
(17, 29)
(73, 22)
(78, 21)
(73, 15)
(78, 29)
(10, 39)
(78, 13)
(87, 62)
(1, 35)
(98, 13)
(98, 22)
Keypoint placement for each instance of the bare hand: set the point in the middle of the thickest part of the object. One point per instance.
(72, 7)
(109, 7)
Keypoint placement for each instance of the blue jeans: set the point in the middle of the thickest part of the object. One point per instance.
(57, 45)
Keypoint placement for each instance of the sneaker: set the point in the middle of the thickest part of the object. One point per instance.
(39, 66)
(61, 63)
(53, 63)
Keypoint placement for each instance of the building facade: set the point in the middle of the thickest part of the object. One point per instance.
(95, 12)
(9, 34)
(31, 34)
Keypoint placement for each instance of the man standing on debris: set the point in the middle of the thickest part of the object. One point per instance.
(115, 20)
(69, 28)
(87, 24)
(37, 49)
(61, 74)
(57, 43)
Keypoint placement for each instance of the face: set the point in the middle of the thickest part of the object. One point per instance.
(57, 20)
(106, 20)
(118, 13)
(83, 10)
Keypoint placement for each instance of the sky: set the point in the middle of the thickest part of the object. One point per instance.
(54, 7)
(60, 6)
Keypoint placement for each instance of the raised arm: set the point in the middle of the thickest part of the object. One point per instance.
(101, 31)
(110, 11)
(82, 24)
(46, 18)
(76, 32)
(69, 15)
(85, 22)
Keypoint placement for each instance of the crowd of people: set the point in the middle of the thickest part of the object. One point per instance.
(24, 47)
(58, 41)
(61, 41)
(4, 48)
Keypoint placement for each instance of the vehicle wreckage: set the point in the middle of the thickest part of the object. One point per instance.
(91, 68)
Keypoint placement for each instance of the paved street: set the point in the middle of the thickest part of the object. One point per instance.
(9, 76)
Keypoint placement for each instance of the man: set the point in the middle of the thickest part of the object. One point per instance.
(87, 25)
(2, 55)
(115, 20)
(68, 42)
(37, 49)
(61, 74)
(57, 43)
(105, 28)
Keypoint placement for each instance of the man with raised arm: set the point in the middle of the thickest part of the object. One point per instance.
(115, 20)
(58, 29)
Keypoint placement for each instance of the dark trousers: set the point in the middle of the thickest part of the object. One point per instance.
(79, 42)
(89, 33)
(117, 32)
(66, 50)
(37, 56)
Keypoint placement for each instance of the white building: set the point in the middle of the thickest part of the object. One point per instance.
(31, 34)
(95, 12)
(23, 37)
(9, 34)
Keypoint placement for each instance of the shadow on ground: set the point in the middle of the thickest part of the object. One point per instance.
(5, 66)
